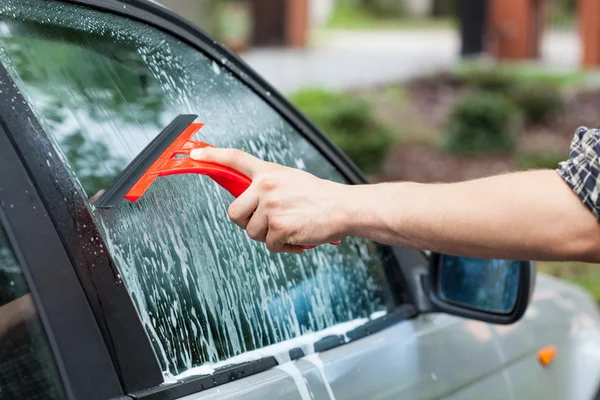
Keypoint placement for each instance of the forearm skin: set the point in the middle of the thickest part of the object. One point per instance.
(525, 216)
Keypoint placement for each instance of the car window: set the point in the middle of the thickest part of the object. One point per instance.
(104, 87)
(27, 368)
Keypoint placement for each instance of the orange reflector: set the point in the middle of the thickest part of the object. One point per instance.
(546, 355)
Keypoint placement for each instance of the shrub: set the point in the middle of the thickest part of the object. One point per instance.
(536, 95)
(481, 123)
(537, 101)
(504, 77)
(350, 123)
(487, 79)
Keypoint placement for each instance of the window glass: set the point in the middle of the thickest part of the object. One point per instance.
(27, 369)
(104, 87)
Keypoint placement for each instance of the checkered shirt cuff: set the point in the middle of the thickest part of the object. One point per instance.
(582, 170)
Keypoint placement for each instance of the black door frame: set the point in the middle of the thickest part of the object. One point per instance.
(124, 334)
(113, 308)
(78, 347)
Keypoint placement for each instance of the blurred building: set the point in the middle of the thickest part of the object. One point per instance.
(589, 17)
(506, 29)
(514, 29)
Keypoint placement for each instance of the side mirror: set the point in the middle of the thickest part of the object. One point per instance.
(495, 291)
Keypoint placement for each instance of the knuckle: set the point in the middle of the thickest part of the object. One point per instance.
(276, 225)
(272, 204)
(267, 184)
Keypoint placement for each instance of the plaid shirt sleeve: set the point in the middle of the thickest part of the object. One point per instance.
(582, 170)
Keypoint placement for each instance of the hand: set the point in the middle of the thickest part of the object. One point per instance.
(283, 207)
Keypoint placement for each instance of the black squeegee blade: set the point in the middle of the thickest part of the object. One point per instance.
(135, 170)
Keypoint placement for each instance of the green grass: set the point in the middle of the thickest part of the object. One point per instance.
(585, 275)
(536, 74)
(350, 17)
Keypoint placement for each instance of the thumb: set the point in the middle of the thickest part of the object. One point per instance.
(235, 159)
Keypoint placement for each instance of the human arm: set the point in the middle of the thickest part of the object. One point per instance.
(528, 215)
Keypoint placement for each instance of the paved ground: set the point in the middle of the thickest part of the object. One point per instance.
(350, 59)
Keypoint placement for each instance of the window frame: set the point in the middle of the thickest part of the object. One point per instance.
(113, 308)
(67, 318)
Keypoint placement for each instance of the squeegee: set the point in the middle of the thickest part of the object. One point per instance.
(160, 159)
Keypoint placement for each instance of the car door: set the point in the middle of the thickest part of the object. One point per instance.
(187, 304)
(565, 318)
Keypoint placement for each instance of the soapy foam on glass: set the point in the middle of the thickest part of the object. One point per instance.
(280, 351)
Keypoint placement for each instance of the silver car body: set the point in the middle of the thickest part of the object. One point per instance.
(439, 356)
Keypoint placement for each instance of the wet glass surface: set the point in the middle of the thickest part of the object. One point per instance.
(103, 88)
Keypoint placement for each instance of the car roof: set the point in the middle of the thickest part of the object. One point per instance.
(157, 3)
(148, 1)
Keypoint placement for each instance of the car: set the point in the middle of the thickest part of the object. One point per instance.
(165, 298)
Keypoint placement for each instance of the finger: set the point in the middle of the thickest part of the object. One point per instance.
(286, 248)
(240, 211)
(274, 245)
(258, 226)
(291, 248)
(232, 158)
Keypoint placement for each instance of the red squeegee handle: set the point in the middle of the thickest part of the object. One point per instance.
(231, 180)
